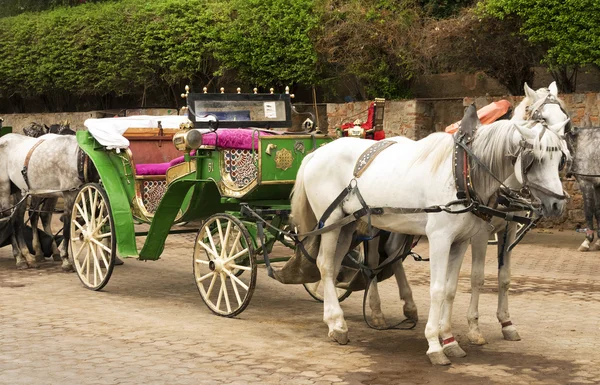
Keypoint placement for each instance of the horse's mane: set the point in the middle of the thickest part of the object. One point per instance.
(437, 145)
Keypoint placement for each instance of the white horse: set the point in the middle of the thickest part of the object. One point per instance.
(52, 171)
(543, 104)
(547, 107)
(418, 174)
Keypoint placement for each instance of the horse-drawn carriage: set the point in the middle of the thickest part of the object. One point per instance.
(234, 158)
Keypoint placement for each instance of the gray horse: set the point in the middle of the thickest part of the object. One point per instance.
(42, 208)
(51, 165)
(586, 169)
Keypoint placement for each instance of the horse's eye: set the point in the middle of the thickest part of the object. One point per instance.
(563, 162)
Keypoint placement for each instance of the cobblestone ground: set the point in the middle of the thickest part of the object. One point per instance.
(150, 326)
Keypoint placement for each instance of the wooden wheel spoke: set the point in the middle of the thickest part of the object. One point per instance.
(98, 226)
(246, 268)
(204, 277)
(208, 249)
(220, 292)
(211, 240)
(211, 286)
(233, 258)
(82, 214)
(100, 244)
(236, 279)
(202, 262)
(225, 240)
(234, 245)
(78, 225)
(97, 267)
(93, 199)
(225, 292)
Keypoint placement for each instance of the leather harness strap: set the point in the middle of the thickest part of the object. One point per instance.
(26, 163)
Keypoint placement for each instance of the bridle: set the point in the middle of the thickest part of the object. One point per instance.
(527, 158)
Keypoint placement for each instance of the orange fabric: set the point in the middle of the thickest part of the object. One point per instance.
(487, 114)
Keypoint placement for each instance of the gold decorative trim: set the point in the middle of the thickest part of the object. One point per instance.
(180, 170)
(284, 159)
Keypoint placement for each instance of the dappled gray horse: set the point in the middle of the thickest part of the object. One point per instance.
(43, 167)
(586, 169)
(42, 208)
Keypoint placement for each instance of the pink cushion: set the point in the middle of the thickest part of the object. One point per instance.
(151, 168)
(238, 138)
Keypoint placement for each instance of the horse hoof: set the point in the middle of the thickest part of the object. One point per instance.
(411, 314)
(56, 257)
(33, 265)
(67, 268)
(511, 334)
(438, 358)
(454, 350)
(378, 321)
(583, 248)
(340, 336)
(595, 246)
(22, 266)
(476, 339)
(118, 261)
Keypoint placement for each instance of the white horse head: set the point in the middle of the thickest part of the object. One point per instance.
(543, 104)
(542, 151)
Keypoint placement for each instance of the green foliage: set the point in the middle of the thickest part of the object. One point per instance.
(568, 29)
(16, 7)
(370, 41)
(140, 48)
(269, 41)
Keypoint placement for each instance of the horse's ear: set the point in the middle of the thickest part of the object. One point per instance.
(526, 131)
(529, 92)
(47, 128)
(470, 120)
(553, 89)
(559, 126)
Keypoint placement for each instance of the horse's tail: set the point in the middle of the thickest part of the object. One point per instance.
(302, 215)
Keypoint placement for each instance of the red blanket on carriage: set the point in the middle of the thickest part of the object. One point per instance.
(487, 114)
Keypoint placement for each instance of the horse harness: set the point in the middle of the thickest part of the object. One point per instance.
(26, 163)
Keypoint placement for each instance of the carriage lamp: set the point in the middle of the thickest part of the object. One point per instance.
(187, 140)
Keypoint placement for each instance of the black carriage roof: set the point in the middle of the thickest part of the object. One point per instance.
(241, 110)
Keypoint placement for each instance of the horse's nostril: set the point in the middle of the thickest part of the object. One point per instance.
(555, 206)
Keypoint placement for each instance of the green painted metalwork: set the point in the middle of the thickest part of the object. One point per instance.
(281, 156)
(5, 130)
(112, 178)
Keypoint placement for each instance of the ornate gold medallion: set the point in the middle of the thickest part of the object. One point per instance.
(283, 159)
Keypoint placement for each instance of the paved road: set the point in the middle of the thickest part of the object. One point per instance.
(150, 326)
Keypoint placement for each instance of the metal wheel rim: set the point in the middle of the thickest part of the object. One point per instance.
(225, 276)
(92, 240)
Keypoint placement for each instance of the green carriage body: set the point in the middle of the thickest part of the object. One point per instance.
(202, 185)
(5, 130)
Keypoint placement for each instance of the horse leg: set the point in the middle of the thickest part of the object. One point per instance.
(410, 308)
(46, 217)
(587, 190)
(478, 250)
(438, 267)
(19, 227)
(451, 346)
(334, 246)
(372, 256)
(34, 215)
(69, 198)
(596, 212)
(508, 330)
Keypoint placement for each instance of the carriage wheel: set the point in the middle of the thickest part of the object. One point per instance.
(93, 241)
(315, 289)
(224, 265)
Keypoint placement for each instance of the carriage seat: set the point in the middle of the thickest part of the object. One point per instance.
(234, 138)
(157, 168)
